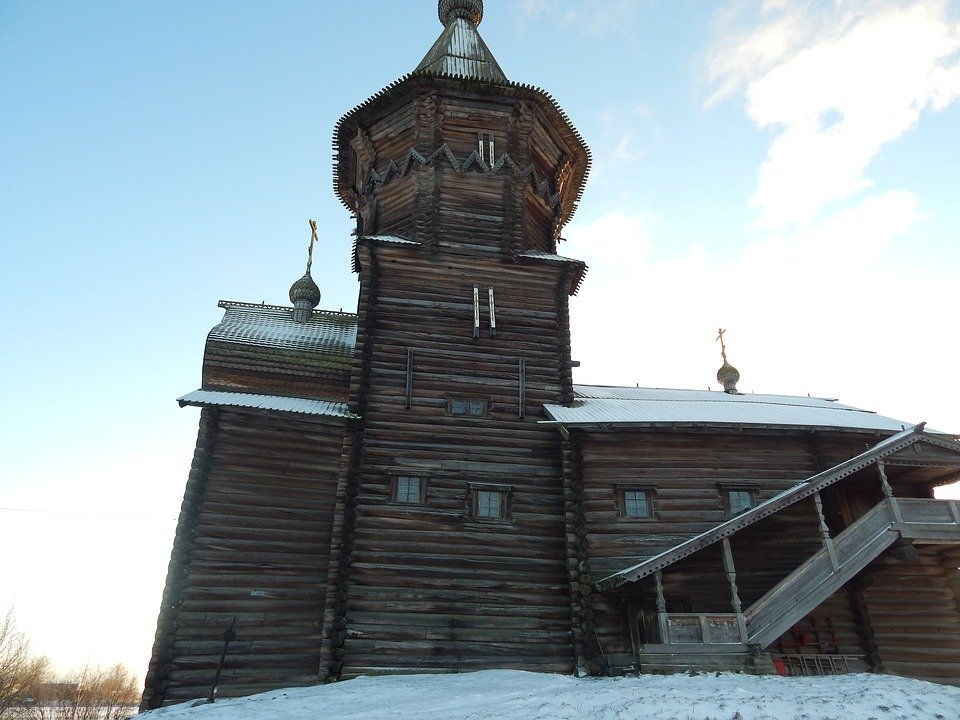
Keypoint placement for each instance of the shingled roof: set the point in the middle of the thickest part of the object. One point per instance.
(325, 333)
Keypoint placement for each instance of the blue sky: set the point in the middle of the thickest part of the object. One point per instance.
(787, 170)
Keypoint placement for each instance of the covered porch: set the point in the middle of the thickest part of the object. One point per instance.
(860, 516)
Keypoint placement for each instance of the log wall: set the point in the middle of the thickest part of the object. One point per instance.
(252, 544)
(686, 472)
(914, 613)
(432, 586)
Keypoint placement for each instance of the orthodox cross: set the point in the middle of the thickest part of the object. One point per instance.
(313, 239)
(723, 347)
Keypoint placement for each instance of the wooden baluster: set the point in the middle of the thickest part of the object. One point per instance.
(888, 492)
(825, 533)
(731, 571)
(661, 609)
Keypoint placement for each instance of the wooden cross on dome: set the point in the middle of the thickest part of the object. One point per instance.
(723, 347)
(313, 239)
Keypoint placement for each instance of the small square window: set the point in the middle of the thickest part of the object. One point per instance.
(467, 406)
(489, 503)
(738, 501)
(636, 503)
(408, 489)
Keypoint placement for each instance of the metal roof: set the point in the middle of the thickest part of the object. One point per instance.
(329, 333)
(461, 52)
(392, 239)
(579, 265)
(541, 255)
(281, 403)
(599, 405)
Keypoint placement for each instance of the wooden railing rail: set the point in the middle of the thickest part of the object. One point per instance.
(824, 572)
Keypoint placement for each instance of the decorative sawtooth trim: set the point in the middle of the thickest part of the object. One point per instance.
(773, 505)
(237, 303)
(473, 161)
(424, 79)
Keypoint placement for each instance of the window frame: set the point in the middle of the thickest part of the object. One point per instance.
(395, 478)
(470, 404)
(649, 491)
(726, 492)
(473, 501)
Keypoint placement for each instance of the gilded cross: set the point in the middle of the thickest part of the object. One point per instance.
(723, 347)
(313, 239)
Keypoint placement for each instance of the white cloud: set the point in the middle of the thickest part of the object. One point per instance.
(836, 82)
(820, 311)
(534, 8)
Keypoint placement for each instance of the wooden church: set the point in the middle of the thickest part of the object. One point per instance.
(421, 487)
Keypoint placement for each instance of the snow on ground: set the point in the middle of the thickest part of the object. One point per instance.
(516, 695)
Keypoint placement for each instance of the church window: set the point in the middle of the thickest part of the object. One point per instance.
(738, 500)
(489, 502)
(467, 406)
(635, 503)
(408, 489)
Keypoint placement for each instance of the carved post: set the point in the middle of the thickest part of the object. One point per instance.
(731, 571)
(825, 533)
(888, 492)
(661, 609)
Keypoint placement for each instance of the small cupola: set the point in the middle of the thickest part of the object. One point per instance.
(727, 375)
(471, 10)
(305, 293)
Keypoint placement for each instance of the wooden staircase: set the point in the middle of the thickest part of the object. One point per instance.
(919, 520)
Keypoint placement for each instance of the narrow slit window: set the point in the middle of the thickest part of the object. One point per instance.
(493, 313)
(476, 311)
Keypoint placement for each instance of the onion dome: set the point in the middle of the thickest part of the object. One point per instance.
(728, 376)
(305, 290)
(304, 293)
(471, 10)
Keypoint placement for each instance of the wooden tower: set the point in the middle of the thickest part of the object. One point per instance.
(452, 540)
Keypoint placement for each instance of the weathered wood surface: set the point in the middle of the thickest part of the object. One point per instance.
(814, 581)
(429, 585)
(914, 614)
(254, 547)
(688, 470)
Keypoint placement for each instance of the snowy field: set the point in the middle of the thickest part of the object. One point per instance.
(515, 695)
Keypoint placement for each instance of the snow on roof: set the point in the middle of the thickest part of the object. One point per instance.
(281, 403)
(541, 255)
(393, 239)
(330, 333)
(597, 404)
(580, 265)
